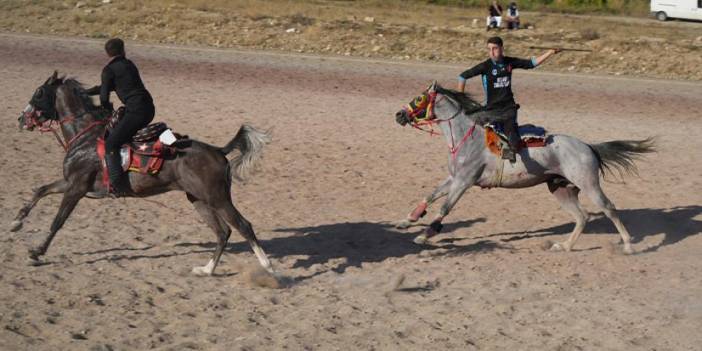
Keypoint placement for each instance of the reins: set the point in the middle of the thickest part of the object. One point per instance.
(53, 126)
(417, 123)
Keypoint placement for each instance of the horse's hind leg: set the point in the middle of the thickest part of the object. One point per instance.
(421, 208)
(230, 214)
(55, 187)
(567, 197)
(219, 226)
(598, 197)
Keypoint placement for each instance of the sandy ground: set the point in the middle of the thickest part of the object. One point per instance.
(337, 174)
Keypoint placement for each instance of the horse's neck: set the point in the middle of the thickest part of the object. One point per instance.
(73, 115)
(455, 129)
(73, 125)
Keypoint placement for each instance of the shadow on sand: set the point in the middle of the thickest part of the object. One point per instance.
(676, 223)
(345, 245)
(352, 243)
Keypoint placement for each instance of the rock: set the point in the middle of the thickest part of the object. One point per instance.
(369, 19)
(699, 39)
(290, 30)
(80, 4)
(79, 336)
(474, 23)
(376, 48)
(106, 1)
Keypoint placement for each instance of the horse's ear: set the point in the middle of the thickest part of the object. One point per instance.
(52, 79)
(432, 87)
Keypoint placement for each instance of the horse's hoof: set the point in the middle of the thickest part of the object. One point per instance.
(15, 225)
(421, 239)
(33, 259)
(202, 271)
(403, 224)
(557, 247)
(35, 253)
(35, 262)
(627, 250)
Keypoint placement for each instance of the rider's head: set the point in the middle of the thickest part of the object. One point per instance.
(114, 47)
(495, 50)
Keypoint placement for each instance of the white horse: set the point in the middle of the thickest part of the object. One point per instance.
(566, 164)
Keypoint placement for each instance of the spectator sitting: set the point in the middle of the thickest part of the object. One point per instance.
(512, 17)
(494, 19)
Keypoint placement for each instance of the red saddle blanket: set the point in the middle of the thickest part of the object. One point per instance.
(141, 157)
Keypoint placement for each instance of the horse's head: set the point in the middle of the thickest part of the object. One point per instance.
(420, 108)
(42, 105)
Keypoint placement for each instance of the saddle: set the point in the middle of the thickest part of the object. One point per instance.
(147, 150)
(529, 134)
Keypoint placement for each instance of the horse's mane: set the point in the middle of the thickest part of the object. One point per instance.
(79, 90)
(467, 103)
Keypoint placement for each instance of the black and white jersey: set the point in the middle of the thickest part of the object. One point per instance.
(497, 79)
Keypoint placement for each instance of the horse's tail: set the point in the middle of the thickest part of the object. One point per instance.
(619, 155)
(249, 141)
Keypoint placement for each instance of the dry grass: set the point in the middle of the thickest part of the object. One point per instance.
(370, 28)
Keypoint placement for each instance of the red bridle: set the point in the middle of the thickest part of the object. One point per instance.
(31, 121)
(426, 105)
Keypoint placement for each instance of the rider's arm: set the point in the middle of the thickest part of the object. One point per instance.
(106, 87)
(471, 72)
(532, 62)
(539, 60)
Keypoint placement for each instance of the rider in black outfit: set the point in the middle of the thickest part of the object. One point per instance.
(122, 76)
(496, 74)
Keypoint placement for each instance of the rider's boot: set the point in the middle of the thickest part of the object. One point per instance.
(510, 150)
(118, 183)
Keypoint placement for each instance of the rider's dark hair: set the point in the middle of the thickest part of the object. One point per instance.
(114, 47)
(495, 40)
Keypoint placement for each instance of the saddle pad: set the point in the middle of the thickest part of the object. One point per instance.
(531, 136)
(144, 158)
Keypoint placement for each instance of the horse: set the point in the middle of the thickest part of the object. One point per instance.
(566, 164)
(200, 170)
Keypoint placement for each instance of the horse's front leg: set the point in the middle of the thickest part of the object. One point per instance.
(74, 192)
(458, 186)
(421, 208)
(55, 187)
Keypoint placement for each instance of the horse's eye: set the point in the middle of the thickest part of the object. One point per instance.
(39, 93)
(419, 100)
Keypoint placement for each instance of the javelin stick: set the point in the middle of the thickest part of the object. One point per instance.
(560, 49)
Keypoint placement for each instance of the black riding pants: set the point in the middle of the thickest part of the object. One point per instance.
(139, 112)
(507, 117)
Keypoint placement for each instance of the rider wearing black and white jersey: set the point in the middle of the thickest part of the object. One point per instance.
(496, 74)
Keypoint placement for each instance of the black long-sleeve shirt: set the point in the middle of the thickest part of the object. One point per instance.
(497, 79)
(121, 76)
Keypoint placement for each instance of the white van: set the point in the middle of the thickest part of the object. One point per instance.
(684, 9)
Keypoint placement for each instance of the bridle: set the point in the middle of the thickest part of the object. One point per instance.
(425, 104)
(53, 123)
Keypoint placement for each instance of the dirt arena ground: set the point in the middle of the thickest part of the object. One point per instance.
(336, 176)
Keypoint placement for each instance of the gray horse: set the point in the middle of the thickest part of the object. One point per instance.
(566, 164)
